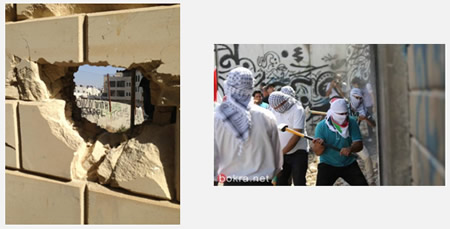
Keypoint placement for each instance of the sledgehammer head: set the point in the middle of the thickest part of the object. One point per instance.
(282, 127)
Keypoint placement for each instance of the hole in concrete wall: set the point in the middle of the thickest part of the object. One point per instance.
(101, 156)
(104, 95)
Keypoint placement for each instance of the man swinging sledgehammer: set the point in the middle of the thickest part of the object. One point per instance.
(342, 132)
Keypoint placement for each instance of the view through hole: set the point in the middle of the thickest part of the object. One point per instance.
(104, 96)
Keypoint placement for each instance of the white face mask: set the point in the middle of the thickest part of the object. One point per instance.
(355, 102)
(339, 118)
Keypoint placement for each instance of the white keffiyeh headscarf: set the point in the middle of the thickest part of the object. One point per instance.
(276, 98)
(288, 90)
(357, 105)
(335, 122)
(234, 112)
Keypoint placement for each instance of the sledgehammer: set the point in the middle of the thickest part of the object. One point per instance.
(284, 127)
(309, 111)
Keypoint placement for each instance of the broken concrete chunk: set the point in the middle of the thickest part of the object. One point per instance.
(30, 85)
(165, 87)
(143, 164)
(30, 11)
(10, 12)
(106, 168)
(11, 92)
(99, 150)
(139, 169)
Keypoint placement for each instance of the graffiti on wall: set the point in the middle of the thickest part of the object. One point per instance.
(359, 62)
(284, 68)
(97, 111)
(100, 108)
(290, 65)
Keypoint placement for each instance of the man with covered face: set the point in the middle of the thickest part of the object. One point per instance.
(288, 111)
(359, 111)
(246, 145)
(341, 131)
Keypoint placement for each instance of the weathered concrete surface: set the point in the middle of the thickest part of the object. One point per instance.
(426, 69)
(393, 111)
(49, 141)
(163, 115)
(99, 150)
(177, 154)
(29, 83)
(36, 200)
(55, 39)
(427, 119)
(11, 135)
(136, 36)
(165, 88)
(427, 170)
(150, 155)
(30, 11)
(10, 12)
(426, 66)
(109, 207)
(58, 79)
(106, 168)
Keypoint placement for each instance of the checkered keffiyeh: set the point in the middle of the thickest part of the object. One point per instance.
(288, 90)
(276, 98)
(235, 110)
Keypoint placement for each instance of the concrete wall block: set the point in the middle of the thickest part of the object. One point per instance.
(426, 170)
(47, 146)
(394, 112)
(412, 79)
(33, 11)
(58, 39)
(10, 12)
(135, 36)
(177, 155)
(162, 115)
(109, 207)
(426, 66)
(36, 200)
(436, 66)
(427, 121)
(11, 134)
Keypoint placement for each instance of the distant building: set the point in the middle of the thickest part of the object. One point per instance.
(87, 92)
(120, 87)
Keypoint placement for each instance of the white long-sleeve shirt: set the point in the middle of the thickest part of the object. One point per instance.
(261, 155)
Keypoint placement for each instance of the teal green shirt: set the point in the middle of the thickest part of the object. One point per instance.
(330, 156)
(264, 105)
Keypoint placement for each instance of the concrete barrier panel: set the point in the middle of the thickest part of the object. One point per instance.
(48, 141)
(427, 120)
(57, 39)
(36, 200)
(109, 207)
(136, 36)
(426, 170)
(11, 134)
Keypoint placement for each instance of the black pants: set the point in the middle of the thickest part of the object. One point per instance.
(295, 166)
(328, 174)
